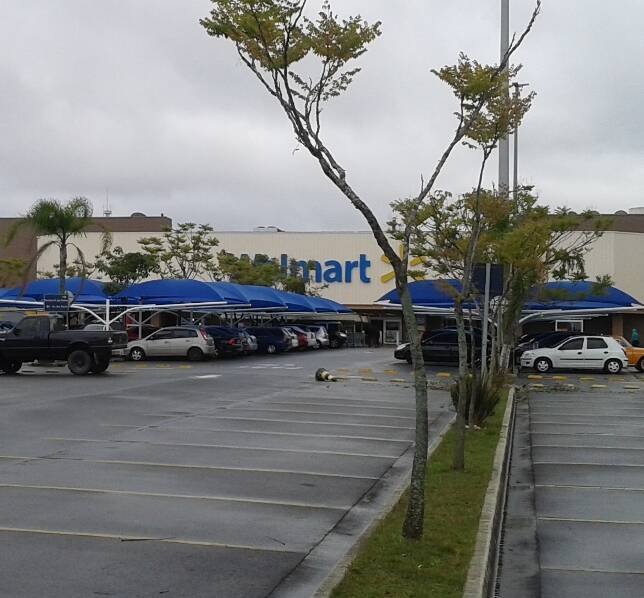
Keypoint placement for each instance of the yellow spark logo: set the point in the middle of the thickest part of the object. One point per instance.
(413, 262)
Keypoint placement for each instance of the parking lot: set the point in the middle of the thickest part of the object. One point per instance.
(239, 477)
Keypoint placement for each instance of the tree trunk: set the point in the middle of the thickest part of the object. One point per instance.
(414, 519)
(458, 463)
(62, 268)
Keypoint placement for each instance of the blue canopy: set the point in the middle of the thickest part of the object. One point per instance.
(561, 295)
(426, 293)
(84, 290)
(326, 306)
(168, 292)
(260, 297)
(296, 303)
(567, 295)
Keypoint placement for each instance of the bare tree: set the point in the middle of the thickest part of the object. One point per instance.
(272, 38)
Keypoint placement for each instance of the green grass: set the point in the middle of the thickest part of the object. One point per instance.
(435, 567)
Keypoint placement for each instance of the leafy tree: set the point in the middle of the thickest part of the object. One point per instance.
(187, 252)
(261, 271)
(11, 270)
(275, 38)
(125, 268)
(63, 222)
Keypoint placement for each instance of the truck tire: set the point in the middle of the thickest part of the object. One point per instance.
(10, 367)
(79, 362)
(100, 365)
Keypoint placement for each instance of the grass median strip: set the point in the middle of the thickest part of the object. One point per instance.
(388, 566)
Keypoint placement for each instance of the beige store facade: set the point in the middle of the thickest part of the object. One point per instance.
(357, 274)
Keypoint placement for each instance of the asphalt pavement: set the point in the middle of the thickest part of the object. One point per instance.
(575, 518)
(235, 478)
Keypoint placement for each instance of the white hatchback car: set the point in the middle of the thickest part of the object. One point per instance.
(578, 352)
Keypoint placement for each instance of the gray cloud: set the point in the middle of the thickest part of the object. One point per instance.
(135, 97)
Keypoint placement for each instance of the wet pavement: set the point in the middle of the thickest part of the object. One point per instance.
(575, 517)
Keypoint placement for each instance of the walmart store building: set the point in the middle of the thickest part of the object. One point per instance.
(357, 274)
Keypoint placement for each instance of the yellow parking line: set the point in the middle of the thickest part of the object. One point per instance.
(537, 386)
(443, 375)
(398, 380)
(185, 367)
(585, 378)
(560, 377)
(390, 372)
(599, 386)
(535, 377)
(631, 387)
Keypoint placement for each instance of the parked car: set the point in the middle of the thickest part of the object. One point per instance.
(543, 339)
(295, 342)
(578, 352)
(249, 342)
(272, 339)
(321, 335)
(440, 347)
(179, 341)
(338, 338)
(44, 337)
(306, 338)
(228, 341)
(635, 355)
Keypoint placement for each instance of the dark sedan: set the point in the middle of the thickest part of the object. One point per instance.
(439, 347)
(227, 340)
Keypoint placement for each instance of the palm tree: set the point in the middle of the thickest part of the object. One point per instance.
(63, 222)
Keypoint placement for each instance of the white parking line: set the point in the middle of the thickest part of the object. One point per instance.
(170, 428)
(228, 446)
(281, 503)
(126, 538)
(187, 466)
(322, 413)
(290, 421)
(207, 377)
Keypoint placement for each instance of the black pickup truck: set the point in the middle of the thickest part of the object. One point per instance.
(44, 337)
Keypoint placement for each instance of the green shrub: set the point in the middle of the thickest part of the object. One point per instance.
(487, 394)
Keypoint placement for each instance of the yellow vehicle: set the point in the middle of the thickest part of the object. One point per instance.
(635, 354)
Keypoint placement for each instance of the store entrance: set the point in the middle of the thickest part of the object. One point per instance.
(392, 332)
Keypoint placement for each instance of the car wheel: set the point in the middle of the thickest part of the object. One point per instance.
(100, 365)
(79, 362)
(543, 365)
(271, 349)
(640, 365)
(137, 354)
(11, 367)
(613, 366)
(195, 354)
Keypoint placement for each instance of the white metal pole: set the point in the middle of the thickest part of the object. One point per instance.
(504, 144)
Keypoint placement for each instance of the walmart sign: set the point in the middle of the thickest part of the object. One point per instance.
(332, 271)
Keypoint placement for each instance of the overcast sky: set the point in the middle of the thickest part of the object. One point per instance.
(134, 97)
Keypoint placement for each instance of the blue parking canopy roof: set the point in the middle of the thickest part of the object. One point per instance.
(258, 297)
(577, 295)
(296, 303)
(169, 292)
(326, 306)
(85, 290)
(426, 293)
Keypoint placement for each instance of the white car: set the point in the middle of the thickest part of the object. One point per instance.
(578, 352)
(177, 341)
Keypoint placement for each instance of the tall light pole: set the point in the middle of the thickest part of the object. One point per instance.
(515, 186)
(504, 144)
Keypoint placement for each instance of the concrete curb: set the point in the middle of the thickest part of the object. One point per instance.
(480, 574)
(325, 566)
(339, 571)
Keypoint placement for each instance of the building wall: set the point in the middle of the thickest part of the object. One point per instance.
(341, 256)
(615, 254)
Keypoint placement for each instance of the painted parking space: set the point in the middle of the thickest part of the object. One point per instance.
(209, 467)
